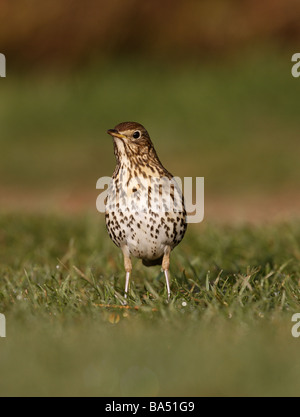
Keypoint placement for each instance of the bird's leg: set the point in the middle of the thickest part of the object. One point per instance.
(128, 268)
(165, 267)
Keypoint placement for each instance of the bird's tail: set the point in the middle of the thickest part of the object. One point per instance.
(152, 262)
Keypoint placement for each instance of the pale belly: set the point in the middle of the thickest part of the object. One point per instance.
(145, 234)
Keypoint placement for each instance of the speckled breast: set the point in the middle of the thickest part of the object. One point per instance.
(146, 214)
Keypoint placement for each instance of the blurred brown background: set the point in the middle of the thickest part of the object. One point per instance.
(64, 32)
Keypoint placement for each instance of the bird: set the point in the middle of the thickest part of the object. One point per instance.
(145, 214)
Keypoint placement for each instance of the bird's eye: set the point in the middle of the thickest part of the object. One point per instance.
(136, 134)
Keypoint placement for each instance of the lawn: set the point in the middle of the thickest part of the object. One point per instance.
(225, 331)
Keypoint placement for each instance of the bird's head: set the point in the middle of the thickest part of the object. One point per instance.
(131, 141)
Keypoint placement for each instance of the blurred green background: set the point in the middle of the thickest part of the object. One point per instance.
(211, 81)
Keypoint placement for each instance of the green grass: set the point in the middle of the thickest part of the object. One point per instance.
(225, 331)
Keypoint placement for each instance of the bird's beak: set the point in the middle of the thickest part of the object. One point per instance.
(116, 134)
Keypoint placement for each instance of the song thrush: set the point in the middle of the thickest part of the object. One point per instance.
(144, 210)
